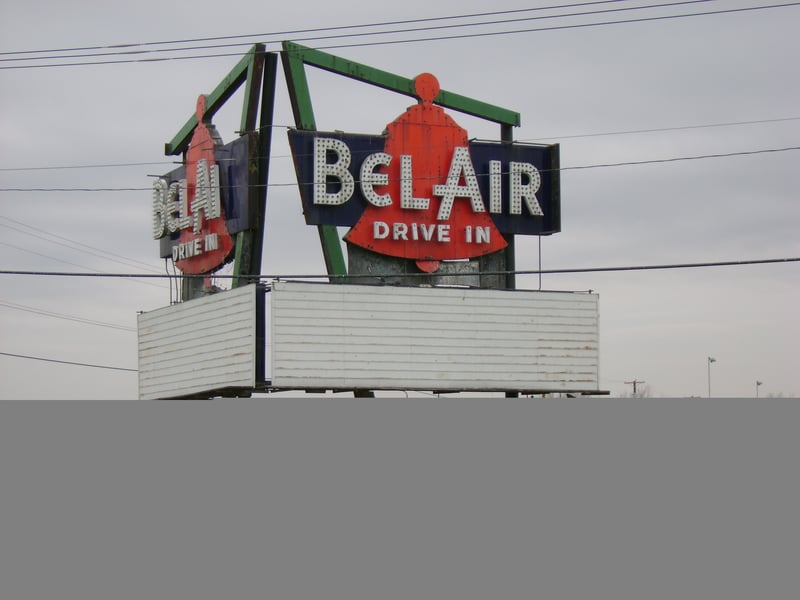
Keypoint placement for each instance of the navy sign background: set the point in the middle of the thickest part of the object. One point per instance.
(544, 157)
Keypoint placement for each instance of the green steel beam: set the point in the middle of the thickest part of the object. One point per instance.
(265, 146)
(245, 240)
(299, 94)
(507, 137)
(226, 88)
(250, 243)
(250, 70)
(300, 98)
(389, 81)
(253, 78)
(332, 252)
(295, 57)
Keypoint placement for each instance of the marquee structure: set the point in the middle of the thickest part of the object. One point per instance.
(426, 206)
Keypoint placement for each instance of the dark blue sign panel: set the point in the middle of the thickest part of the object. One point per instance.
(235, 186)
(544, 160)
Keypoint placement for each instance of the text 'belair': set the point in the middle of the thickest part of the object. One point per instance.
(423, 190)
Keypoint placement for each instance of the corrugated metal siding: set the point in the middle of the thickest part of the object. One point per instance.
(197, 346)
(384, 337)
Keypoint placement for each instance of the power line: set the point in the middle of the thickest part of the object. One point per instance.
(175, 164)
(64, 189)
(635, 382)
(735, 263)
(658, 129)
(549, 271)
(501, 22)
(63, 316)
(75, 245)
(730, 263)
(90, 166)
(562, 27)
(61, 260)
(66, 262)
(317, 29)
(172, 163)
(680, 158)
(573, 168)
(68, 362)
(371, 34)
(525, 140)
(121, 62)
(418, 39)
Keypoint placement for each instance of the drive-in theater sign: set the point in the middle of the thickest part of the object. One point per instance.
(199, 207)
(423, 191)
(418, 201)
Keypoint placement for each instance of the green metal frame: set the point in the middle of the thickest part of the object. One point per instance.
(250, 243)
(300, 98)
(295, 57)
(298, 55)
(248, 70)
(257, 71)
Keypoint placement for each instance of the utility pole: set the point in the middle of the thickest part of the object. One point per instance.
(710, 360)
(635, 382)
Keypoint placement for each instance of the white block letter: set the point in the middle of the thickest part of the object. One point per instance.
(521, 190)
(495, 188)
(400, 231)
(369, 179)
(460, 165)
(206, 194)
(159, 208)
(406, 190)
(337, 169)
(380, 230)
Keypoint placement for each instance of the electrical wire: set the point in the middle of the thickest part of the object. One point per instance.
(525, 140)
(368, 34)
(659, 129)
(562, 27)
(75, 245)
(521, 272)
(356, 276)
(66, 262)
(64, 317)
(680, 158)
(68, 362)
(419, 39)
(317, 29)
(42, 255)
(287, 277)
(64, 189)
(172, 163)
(90, 166)
(573, 168)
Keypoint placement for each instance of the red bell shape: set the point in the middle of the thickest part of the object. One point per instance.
(436, 211)
(201, 148)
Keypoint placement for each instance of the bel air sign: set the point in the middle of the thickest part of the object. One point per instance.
(423, 190)
(198, 207)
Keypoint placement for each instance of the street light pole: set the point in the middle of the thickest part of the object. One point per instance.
(758, 383)
(710, 360)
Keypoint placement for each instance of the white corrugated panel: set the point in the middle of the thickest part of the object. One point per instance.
(384, 337)
(199, 346)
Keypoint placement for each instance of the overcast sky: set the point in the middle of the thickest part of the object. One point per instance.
(644, 91)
